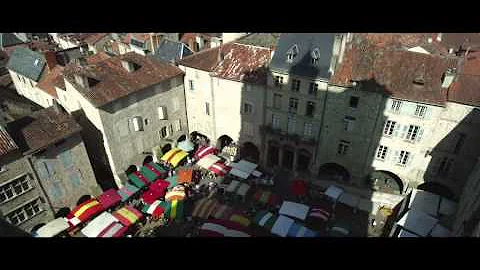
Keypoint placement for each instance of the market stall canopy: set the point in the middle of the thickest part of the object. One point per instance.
(160, 185)
(151, 195)
(239, 173)
(232, 187)
(127, 191)
(172, 180)
(138, 179)
(225, 228)
(185, 175)
(204, 208)
(440, 231)
(240, 219)
(265, 219)
(84, 212)
(266, 197)
(334, 192)
(207, 161)
(53, 228)
(109, 198)
(204, 151)
(321, 213)
(447, 207)
(245, 166)
(257, 173)
(114, 230)
(349, 199)
(282, 226)
(174, 156)
(219, 168)
(157, 208)
(186, 145)
(417, 222)
(175, 195)
(424, 201)
(298, 230)
(294, 209)
(243, 189)
(177, 210)
(222, 211)
(152, 171)
(404, 233)
(98, 224)
(299, 188)
(128, 215)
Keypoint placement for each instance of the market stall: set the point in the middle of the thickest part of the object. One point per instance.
(282, 226)
(233, 186)
(299, 188)
(157, 209)
(240, 219)
(128, 215)
(53, 228)
(177, 193)
(266, 197)
(418, 222)
(293, 209)
(127, 191)
(84, 212)
(298, 230)
(185, 175)
(204, 151)
(333, 193)
(138, 179)
(174, 156)
(223, 228)
(160, 185)
(219, 168)
(151, 195)
(176, 210)
(186, 145)
(204, 208)
(265, 219)
(99, 224)
(404, 233)
(109, 198)
(153, 171)
(222, 211)
(349, 199)
(243, 190)
(172, 180)
(114, 230)
(207, 161)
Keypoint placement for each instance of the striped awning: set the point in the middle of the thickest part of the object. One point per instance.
(114, 230)
(219, 168)
(53, 228)
(205, 150)
(99, 224)
(138, 179)
(207, 161)
(128, 215)
(225, 228)
(204, 208)
(151, 195)
(152, 171)
(109, 198)
(157, 208)
(175, 195)
(127, 191)
(84, 212)
(240, 219)
(174, 156)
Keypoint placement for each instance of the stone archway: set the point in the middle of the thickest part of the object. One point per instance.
(250, 152)
(199, 139)
(147, 159)
(131, 169)
(304, 158)
(333, 171)
(273, 152)
(386, 181)
(167, 147)
(223, 141)
(181, 138)
(287, 157)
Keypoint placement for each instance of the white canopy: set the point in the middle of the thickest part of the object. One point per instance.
(417, 222)
(334, 192)
(207, 161)
(447, 207)
(239, 173)
(349, 199)
(186, 145)
(243, 189)
(53, 228)
(424, 201)
(245, 166)
(209, 226)
(257, 173)
(404, 233)
(294, 209)
(440, 231)
(97, 225)
(282, 226)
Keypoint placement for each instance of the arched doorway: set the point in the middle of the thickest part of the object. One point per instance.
(83, 199)
(385, 181)
(223, 141)
(167, 147)
(303, 160)
(198, 138)
(131, 169)
(287, 158)
(147, 159)
(249, 152)
(437, 188)
(333, 171)
(181, 138)
(62, 212)
(272, 153)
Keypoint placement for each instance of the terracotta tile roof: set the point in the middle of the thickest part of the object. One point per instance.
(455, 40)
(395, 70)
(7, 144)
(97, 58)
(115, 82)
(95, 38)
(52, 78)
(138, 36)
(42, 128)
(77, 37)
(466, 88)
(240, 62)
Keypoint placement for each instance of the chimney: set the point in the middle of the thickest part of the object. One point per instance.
(439, 37)
(82, 80)
(51, 59)
(128, 66)
(448, 77)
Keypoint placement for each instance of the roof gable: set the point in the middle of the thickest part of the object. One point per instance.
(27, 63)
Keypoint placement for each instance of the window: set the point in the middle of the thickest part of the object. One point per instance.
(445, 166)
(382, 152)
(207, 108)
(354, 102)
(291, 124)
(247, 108)
(278, 81)
(277, 101)
(389, 128)
(175, 104)
(295, 85)
(412, 133)
(163, 132)
(420, 110)
(308, 130)
(343, 147)
(145, 121)
(162, 113)
(25, 212)
(396, 105)
(310, 109)
(293, 105)
(14, 188)
(275, 121)
(312, 90)
(170, 130)
(315, 56)
(348, 123)
(291, 53)
(178, 125)
(460, 141)
(403, 157)
(190, 82)
(137, 123)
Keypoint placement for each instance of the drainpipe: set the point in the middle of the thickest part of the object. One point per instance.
(30, 165)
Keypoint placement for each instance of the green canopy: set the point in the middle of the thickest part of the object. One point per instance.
(136, 181)
(172, 180)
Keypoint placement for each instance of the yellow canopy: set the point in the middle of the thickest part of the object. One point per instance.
(174, 156)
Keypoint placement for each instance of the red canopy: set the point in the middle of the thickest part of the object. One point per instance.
(160, 185)
(84, 212)
(205, 150)
(152, 195)
(219, 168)
(299, 188)
(109, 198)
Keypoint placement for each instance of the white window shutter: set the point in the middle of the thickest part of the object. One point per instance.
(162, 113)
(410, 158)
(137, 123)
(419, 134)
(404, 131)
(396, 129)
(395, 156)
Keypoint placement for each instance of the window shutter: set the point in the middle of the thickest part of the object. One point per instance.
(395, 157)
(387, 153)
(410, 158)
(404, 131)
(419, 134)
(396, 129)
(137, 123)
(162, 113)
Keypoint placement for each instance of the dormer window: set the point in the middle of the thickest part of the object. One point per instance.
(292, 53)
(419, 81)
(315, 56)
